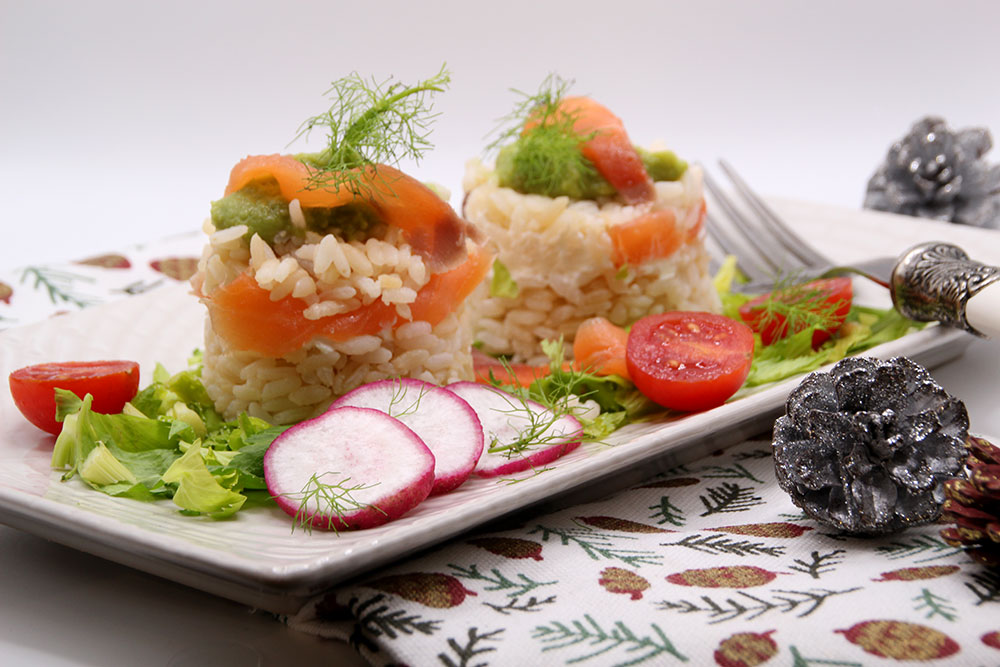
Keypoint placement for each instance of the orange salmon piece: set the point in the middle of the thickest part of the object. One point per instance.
(610, 149)
(653, 235)
(521, 375)
(599, 347)
(243, 314)
(429, 223)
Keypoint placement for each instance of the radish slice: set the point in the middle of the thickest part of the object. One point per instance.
(508, 420)
(446, 423)
(347, 469)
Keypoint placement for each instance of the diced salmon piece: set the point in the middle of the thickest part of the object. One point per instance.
(599, 347)
(653, 235)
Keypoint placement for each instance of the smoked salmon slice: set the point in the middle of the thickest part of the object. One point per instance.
(429, 224)
(243, 314)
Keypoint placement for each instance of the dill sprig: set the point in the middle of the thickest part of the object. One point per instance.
(541, 106)
(546, 157)
(331, 499)
(535, 432)
(371, 122)
(793, 306)
(396, 408)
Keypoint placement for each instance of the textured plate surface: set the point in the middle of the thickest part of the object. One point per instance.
(257, 559)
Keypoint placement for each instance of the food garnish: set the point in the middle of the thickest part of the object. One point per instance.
(553, 144)
(379, 468)
(168, 442)
(821, 305)
(371, 123)
(689, 360)
(520, 433)
(110, 383)
(443, 421)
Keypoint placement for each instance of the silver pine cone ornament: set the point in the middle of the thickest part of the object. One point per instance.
(972, 504)
(935, 172)
(866, 447)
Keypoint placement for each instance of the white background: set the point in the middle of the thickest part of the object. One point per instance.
(120, 121)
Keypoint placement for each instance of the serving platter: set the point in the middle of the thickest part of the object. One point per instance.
(258, 559)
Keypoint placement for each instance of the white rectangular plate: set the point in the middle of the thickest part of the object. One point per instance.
(257, 559)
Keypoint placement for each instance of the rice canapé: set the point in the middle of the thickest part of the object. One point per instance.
(330, 270)
(620, 251)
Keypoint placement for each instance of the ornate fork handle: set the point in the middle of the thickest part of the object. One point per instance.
(939, 282)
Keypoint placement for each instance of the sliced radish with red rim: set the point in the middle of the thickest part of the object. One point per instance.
(444, 421)
(520, 434)
(347, 469)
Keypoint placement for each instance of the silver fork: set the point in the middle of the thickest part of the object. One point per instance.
(933, 281)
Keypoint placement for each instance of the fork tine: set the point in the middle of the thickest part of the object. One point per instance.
(784, 234)
(759, 262)
(729, 246)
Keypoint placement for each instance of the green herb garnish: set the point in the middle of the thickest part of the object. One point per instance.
(546, 158)
(370, 123)
(331, 499)
(793, 306)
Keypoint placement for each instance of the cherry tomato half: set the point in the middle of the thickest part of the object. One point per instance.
(111, 383)
(689, 360)
(829, 298)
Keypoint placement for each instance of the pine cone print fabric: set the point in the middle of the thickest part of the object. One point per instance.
(34, 292)
(709, 564)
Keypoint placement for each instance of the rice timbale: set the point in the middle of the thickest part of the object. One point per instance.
(348, 290)
(620, 250)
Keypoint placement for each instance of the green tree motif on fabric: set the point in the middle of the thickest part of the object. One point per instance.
(533, 604)
(723, 545)
(798, 660)
(985, 586)
(729, 498)
(520, 585)
(558, 636)
(934, 605)
(819, 564)
(376, 619)
(465, 653)
(59, 285)
(599, 545)
(666, 512)
(735, 471)
(930, 546)
(749, 607)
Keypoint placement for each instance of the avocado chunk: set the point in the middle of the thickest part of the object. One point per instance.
(258, 205)
(521, 166)
(662, 165)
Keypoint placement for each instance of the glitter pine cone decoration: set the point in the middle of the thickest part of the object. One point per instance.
(973, 504)
(866, 448)
(935, 172)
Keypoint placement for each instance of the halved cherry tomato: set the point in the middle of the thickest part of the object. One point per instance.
(689, 360)
(828, 297)
(111, 383)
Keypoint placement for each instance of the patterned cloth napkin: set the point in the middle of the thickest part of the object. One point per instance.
(709, 564)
